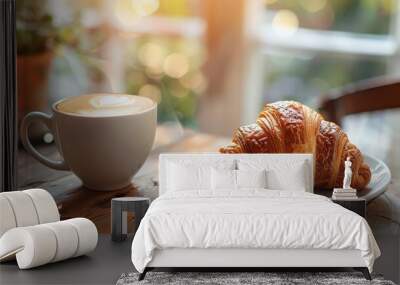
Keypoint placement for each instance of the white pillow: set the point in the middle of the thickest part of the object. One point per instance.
(223, 179)
(183, 177)
(251, 178)
(281, 174)
(186, 174)
(237, 179)
(291, 179)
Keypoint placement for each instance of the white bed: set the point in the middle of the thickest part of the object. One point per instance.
(248, 227)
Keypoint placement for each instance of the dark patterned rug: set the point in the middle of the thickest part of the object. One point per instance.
(228, 278)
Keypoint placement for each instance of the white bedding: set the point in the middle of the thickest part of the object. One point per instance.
(250, 218)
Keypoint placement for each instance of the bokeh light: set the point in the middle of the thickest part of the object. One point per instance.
(154, 73)
(151, 91)
(285, 21)
(389, 6)
(270, 2)
(194, 81)
(145, 7)
(127, 11)
(176, 65)
(152, 55)
(313, 6)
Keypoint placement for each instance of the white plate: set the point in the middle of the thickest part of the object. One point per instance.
(380, 179)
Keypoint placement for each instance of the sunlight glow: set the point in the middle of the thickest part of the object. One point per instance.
(127, 11)
(151, 91)
(152, 55)
(195, 81)
(270, 2)
(285, 22)
(313, 6)
(145, 7)
(176, 65)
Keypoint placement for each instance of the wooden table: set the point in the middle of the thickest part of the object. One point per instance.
(76, 201)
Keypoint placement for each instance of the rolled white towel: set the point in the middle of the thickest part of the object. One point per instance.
(26, 208)
(40, 244)
(23, 208)
(32, 246)
(87, 235)
(45, 206)
(67, 240)
(7, 218)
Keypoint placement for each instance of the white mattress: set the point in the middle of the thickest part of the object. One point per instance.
(252, 219)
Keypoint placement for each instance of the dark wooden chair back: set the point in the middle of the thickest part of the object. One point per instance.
(367, 96)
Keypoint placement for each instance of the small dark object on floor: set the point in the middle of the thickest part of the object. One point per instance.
(119, 208)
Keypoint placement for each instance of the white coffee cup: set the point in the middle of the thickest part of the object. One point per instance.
(103, 138)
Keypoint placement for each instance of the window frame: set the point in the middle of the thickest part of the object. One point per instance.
(8, 97)
(266, 40)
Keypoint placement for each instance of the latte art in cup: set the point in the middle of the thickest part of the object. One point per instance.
(103, 139)
(103, 105)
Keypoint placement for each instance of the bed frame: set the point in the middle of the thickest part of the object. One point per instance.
(240, 259)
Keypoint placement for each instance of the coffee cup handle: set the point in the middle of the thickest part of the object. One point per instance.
(25, 125)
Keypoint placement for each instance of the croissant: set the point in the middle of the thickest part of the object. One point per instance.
(291, 127)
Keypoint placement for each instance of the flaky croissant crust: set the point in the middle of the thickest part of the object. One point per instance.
(291, 127)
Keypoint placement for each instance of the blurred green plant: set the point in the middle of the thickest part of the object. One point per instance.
(305, 76)
(168, 70)
(36, 32)
(359, 16)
